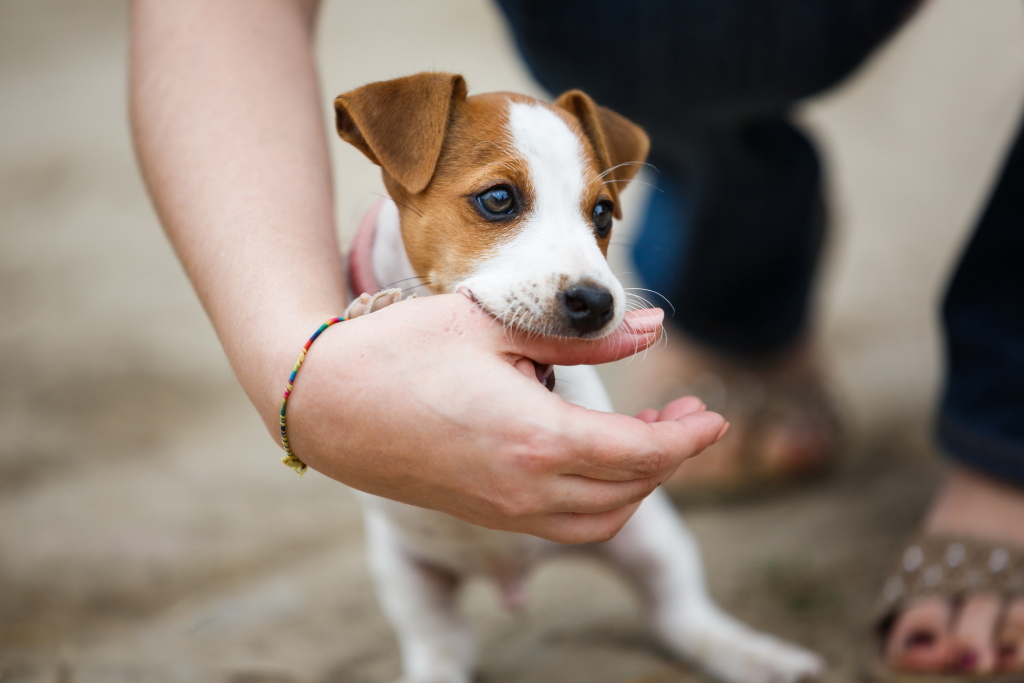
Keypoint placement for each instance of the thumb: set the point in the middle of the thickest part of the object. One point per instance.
(639, 329)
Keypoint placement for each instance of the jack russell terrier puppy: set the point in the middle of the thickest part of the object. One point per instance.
(511, 201)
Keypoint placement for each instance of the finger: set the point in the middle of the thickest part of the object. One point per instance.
(574, 529)
(619, 448)
(919, 639)
(583, 495)
(680, 407)
(1011, 638)
(638, 330)
(526, 368)
(974, 635)
(648, 415)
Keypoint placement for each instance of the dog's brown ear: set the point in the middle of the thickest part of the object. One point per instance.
(620, 144)
(400, 124)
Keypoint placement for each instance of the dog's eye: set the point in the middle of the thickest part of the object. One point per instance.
(603, 218)
(497, 201)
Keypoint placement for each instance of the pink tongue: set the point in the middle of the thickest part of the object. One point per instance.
(545, 375)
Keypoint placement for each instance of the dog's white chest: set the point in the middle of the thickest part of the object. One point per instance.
(441, 539)
(543, 271)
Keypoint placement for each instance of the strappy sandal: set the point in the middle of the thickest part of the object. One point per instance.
(758, 403)
(950, 567)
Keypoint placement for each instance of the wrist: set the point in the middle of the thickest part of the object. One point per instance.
(264, 355)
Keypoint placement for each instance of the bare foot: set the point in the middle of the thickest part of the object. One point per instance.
(783, 425)
(983, 634)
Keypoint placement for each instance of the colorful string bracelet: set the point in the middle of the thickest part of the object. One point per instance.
(289, 458)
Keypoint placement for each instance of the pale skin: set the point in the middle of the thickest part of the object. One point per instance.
(423, 402)
(983, 635)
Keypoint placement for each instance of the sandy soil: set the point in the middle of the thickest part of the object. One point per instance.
(147, 530)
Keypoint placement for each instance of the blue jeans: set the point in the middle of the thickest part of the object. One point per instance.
(734, 237)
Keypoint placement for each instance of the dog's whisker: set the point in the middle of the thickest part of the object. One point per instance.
(523, 286)
(502, 164)
(406, 197)
(399, 203)
(652, 291)
(625, 163)
(422, 284)
(485, 142)
(633, 180)
(641, 302)
(396, 282)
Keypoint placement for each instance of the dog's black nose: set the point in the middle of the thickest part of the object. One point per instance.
(587, 308)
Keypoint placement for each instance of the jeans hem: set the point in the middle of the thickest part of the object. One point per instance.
(990, 456)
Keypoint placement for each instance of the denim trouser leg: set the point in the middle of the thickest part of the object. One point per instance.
(733, 239)
(732, 235)
(981, 421)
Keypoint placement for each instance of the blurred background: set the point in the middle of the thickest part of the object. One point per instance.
(147, 529)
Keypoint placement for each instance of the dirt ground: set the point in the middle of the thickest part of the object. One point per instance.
(148, 531)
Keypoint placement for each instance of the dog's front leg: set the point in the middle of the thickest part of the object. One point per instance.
(419, 601)
(660, 555)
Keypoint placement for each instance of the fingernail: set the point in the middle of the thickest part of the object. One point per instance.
(703, 406)
(968, 661)
(725, 428)
(919, 639)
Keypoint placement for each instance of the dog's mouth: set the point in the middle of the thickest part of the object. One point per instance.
(547, 324)
(544, 372)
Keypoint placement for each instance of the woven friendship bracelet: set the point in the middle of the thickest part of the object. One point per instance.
(289, 458)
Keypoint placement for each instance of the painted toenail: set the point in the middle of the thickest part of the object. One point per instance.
(955, 554)
(932, 575)
(998, 560)
(968, 660)
(912, 558)
(918, 639)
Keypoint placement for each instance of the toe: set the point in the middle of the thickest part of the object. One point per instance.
(1010, 645)
(974, 636)
(919, 639)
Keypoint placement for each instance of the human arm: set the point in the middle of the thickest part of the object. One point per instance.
(419, 402)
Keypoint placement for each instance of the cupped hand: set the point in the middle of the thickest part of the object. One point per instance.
(421, 402)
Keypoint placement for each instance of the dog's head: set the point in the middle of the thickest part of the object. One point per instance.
(503, 195)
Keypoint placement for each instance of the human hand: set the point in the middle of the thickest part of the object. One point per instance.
(422, 402)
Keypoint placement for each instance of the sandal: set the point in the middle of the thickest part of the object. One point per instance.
(949, 567)
(763, 402)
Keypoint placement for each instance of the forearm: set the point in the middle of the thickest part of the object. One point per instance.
(227, 124)
(228, 129)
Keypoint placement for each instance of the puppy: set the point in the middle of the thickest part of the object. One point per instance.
(511, 200)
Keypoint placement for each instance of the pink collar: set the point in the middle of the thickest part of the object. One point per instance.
(360, 259)
(362, 280)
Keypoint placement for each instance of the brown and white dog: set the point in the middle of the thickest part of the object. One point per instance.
(511, 201)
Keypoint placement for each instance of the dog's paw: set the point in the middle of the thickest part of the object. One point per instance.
(368, 303)
(764, 659)
(732, 652)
